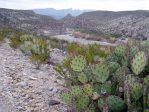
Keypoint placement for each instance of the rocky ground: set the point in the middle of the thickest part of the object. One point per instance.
(23, 88)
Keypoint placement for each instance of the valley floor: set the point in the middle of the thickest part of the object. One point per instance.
(23, 88)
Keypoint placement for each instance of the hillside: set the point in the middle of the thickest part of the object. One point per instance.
(126, 23)
(27, 20)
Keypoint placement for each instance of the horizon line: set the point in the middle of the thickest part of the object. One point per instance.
(75, 9)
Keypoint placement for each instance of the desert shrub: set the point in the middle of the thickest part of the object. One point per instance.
(15, 40)
(56, 43)
(26, 43)
(116, 83)
(90, 52)
(40, 52)
(4, 33)
(36, 48)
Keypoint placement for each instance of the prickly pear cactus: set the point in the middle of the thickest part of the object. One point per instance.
(76, 91)
(82, 78)
(101, 103)
(130, 79)
(120, 50)
(139, 62)
(113, 66)
(137, 91)
(78, 64)
(118, 76)
(146, 80)
(106, 88)
(134, 50)
(124, 61)
(82, 103)
(88, 89)
(115, 103)
(66, 97)
(101, 73)
(89, 74)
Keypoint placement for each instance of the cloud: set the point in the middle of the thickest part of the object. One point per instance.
(114, 5)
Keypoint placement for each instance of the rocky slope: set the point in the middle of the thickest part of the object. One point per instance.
(27, 20)
(24, 88)
(126, 23)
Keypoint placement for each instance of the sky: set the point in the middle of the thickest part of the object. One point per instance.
(112, 5)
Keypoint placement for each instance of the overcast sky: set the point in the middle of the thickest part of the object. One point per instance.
(114, 5)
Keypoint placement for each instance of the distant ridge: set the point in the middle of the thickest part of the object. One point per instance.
(59, 14)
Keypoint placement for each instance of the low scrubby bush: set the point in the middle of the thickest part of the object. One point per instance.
(15, 40)
(4, 33)
(40, 52)
(90, 52)
(36, 48)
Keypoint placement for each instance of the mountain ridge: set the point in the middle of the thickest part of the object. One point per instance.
(126, 23)
(59, 13)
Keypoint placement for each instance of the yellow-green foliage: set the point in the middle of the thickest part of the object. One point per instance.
(40, 50)
(26, 37)
(37, 48)
(3, 34)
(88, 51)
(55, 43)
(15, 40)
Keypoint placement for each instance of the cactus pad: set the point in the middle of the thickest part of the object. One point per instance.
(137, 91)
(66, 97)
(115, 103)
(82, 78)
(146, 80)
(88, 89)
(139, 62)
(120, 50)
(113, 66)
(101, 73)
(82, 103)
(106, 88)
(118, 76)
(76, 91)
(134, 50)
(101, 103)
(78, 64)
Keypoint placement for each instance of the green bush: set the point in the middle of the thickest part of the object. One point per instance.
(90, 52)
(40, 52)
(37, 48)
(56, 43)
(15, 40)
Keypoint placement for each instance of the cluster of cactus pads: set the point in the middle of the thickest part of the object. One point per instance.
(118, 83)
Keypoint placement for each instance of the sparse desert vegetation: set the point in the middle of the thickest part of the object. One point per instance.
(97, 61)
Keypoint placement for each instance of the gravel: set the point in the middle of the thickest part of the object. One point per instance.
(24, 88)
